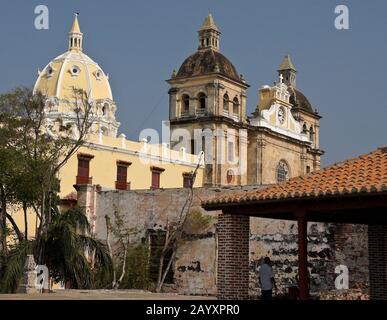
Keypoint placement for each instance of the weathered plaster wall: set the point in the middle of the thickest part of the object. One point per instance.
(196, 264)
(329, 245)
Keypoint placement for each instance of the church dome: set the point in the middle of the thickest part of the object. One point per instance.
(298, 100)
(205, 62)
(73, 69)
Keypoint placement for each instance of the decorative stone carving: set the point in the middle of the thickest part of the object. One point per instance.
(28, 282)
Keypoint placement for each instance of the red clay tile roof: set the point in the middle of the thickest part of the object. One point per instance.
(366, 173)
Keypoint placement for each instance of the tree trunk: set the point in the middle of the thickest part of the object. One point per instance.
(167, 268)
(15, 227)
(3, 221)
(110, 250)
(25, 221)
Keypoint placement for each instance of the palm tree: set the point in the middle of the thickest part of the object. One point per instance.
(71, 255)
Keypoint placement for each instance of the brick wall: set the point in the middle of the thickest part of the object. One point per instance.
(233, 256)
(377, 248)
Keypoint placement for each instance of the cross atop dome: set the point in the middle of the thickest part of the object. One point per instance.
(75, 35)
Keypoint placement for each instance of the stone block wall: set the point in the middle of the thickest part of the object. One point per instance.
(195, 268)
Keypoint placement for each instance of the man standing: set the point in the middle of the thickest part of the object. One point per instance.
(266, 279)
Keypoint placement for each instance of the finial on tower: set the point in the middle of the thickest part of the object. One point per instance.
(209, 23)
(75, 35)
(287, 64)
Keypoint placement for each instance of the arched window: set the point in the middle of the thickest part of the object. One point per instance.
(202, 100)
(282, 171)
(225, 102)
(185, 100)
(235, 105)
(311, 134)
(304, 129)
(105, 109)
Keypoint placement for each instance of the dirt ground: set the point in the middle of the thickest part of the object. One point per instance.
(101, 295)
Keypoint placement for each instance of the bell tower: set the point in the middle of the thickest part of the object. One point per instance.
(288, 72)
(207, 110)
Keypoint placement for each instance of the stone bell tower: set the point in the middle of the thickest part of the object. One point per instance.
(207, 110)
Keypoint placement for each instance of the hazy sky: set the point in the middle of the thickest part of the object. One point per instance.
(139, 43)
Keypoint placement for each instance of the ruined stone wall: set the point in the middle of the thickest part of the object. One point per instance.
(195, 267)
(329, 245)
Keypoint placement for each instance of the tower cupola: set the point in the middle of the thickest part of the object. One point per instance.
(288, 72)
(209, 34)
(75, 35)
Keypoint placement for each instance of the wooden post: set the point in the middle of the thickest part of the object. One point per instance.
(303, 277)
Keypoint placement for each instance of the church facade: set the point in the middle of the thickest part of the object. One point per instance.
(107, 159)
(208, 112)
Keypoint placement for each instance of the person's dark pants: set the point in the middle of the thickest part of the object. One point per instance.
(266, 294)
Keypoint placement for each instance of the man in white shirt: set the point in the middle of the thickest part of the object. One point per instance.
(266, 279)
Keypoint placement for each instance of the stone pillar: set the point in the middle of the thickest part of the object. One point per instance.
(173, 103)
(243, 156)
(233, 256)
(28, 282)
(377, 255)
(86, 200)
(220, 156)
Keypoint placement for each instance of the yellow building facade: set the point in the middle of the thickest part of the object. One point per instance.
(105, 160)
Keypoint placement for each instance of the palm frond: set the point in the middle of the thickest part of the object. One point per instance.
(14, 267)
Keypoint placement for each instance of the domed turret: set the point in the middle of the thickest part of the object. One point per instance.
(74, 69)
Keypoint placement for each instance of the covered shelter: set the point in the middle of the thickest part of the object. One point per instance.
(353, 191)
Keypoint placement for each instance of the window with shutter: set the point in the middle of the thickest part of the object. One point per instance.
(122, 175)
(156, 177)
(187, 180)
(83, 174)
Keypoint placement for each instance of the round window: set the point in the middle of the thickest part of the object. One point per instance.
(75, 70)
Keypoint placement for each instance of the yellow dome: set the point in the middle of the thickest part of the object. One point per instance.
(73, 69)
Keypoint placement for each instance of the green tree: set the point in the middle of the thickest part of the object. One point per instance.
(31, 155)
(67, 249)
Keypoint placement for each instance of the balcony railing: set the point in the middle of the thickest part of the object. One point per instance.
(122, 185)
(185, 114)
(201, 112)
(235, 117)
(84, 180)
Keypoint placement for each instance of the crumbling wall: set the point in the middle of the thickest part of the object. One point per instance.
(196, 262)
(329, 245)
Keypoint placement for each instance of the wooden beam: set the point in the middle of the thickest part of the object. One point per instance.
(283, 209)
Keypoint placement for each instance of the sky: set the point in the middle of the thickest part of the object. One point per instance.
(139, 43)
